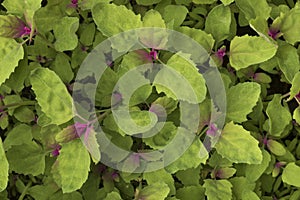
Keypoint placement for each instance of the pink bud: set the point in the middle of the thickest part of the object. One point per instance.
(273, 33)
(212, 130)
(55, 152)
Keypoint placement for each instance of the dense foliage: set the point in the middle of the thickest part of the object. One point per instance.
(48, 151)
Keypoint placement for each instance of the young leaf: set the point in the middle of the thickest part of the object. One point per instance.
(52, 95)
(279, 116)
(249, 50)
(217, 189)
(237, 145)
(64, 32)
(3, 168)
(241, 99)
(10, 54)
(73, 165)
(290, 173)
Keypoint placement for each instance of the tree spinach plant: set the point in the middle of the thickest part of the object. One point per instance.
(50, 144)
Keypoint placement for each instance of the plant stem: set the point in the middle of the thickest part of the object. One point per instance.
(25, 190)
(285, 95)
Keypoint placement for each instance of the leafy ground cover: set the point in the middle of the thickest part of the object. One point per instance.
(249, 149)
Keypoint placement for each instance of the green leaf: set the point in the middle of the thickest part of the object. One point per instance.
(137, 121)
(34, 163)
(155, 191)
(73, 165)
(88, 5)
(113, 196)
(163, 137)
(147, 2)
(204, 1)
(167, 103)
(41, 192)
(279, 116)
(288, 61)
(24, 114)
(20, 134)
(154, 38)
(290, 24)
(289, 175)
(227, 2)
(21, 7)
(189, 176)
(237, 145)
(62, 67)
(295, 89)
(276, 147)
(183, 67)
(3, 169)
(217, 189)
(191, 158)
(218, 26)
(241, 99)
(254, 8)
(160, 176)
(47, 17)
(64, 32)
(241, 185)
(10, 54)
(249, 195)
(204, 39)
(181, 12)
(190, 193)
(116, 23)
(249, 50)
(92, 145)
(223, 173)
(253, 172)
(216, 160)
(52, 95)
(296, 115)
